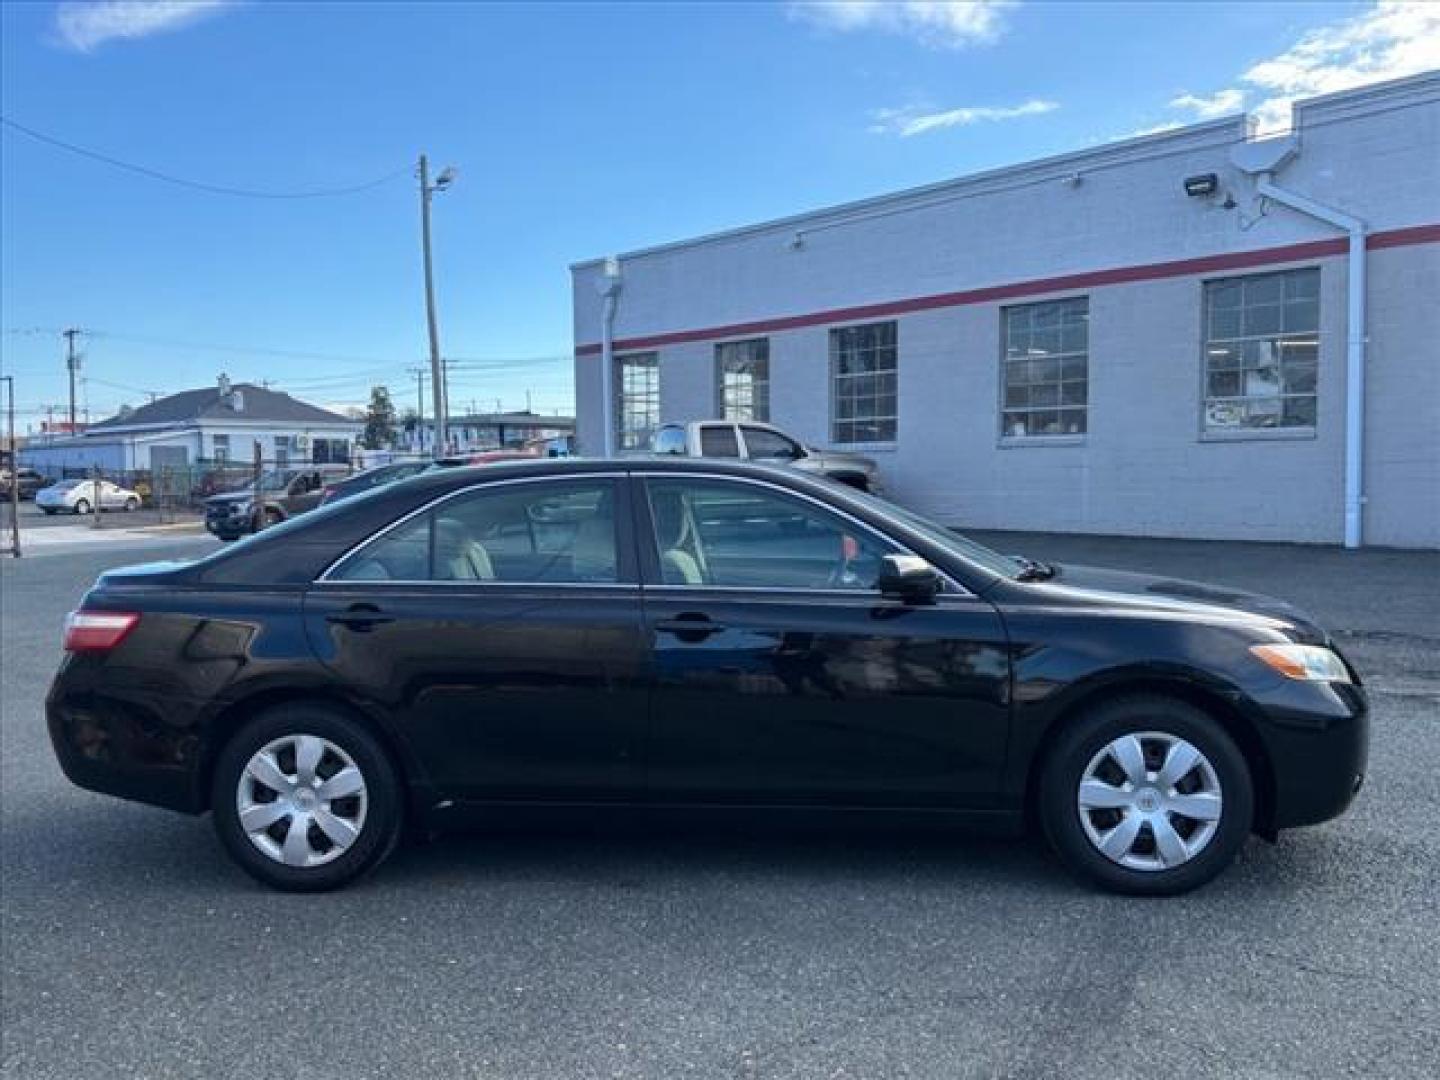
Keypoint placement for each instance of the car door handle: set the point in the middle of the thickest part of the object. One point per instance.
(690, 626)
(360, 617)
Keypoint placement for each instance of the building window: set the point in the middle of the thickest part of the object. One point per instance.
(329, 451)
(864, 365)
(1262, 351)
(637, 399)
(220, 449)
(744, 369)
(282, 451)
(1045, 368)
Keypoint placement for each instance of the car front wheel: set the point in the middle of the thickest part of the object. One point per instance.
(305, 799)
(1146, 795)
(82, 506)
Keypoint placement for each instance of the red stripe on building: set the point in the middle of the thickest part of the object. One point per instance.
(1205, 264)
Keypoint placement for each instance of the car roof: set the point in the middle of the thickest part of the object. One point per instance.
(461, 476)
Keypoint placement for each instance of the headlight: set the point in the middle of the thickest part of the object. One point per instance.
(1311, 663)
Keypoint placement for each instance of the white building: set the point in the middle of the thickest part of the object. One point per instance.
(213, 425)
(1141, 338)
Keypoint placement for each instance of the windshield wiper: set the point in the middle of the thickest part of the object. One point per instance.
(1033, 570)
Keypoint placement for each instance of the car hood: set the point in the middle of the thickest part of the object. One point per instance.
(226, 497)
(1169, 595)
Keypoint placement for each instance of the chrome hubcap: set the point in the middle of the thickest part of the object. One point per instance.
(301, 800)
(1150, 801)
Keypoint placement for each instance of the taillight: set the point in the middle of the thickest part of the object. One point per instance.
(97, 631)
(325, 495)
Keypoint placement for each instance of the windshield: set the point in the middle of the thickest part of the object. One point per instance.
(962, 546)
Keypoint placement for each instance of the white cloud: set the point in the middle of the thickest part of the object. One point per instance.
(84, 27)
(1392, 39)
(1389, 40)
(1221, 103)
(938, 23)
(914, 120)
(1154, 129)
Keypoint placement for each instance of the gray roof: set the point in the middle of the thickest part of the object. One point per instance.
(513, 419)
(191, 406)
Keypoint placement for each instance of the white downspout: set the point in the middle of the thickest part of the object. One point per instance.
(609, 286)
(1354, 350)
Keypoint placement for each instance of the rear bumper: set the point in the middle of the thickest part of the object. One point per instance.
(1317, 737)
(123, 748)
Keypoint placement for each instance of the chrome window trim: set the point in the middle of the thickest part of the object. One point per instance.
(891, 541)
(483, 485)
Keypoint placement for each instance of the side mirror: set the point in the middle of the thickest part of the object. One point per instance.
(909, 579)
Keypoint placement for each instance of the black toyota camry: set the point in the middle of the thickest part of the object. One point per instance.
(676, 634)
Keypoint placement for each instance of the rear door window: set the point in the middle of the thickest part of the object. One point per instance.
(552, 532)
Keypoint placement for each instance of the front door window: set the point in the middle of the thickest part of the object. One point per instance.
(740, 535)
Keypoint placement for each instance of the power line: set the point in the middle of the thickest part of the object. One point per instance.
(202, 346)
(197, 185)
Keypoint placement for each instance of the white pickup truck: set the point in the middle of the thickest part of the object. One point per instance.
(753, 441)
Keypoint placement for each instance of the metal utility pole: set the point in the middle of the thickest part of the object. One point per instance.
(72, 365)
(9, 381)
(437, 371)
(419, 374)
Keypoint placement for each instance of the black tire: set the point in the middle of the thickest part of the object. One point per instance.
(1066, 764)
(131, 505)
(82, 506)
(381, 826)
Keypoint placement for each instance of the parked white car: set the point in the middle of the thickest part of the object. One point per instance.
(78, 497)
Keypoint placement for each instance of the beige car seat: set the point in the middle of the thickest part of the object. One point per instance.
(682, 561)
(457, 556)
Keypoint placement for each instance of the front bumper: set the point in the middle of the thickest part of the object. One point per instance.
(1317, 739)
(227, 526)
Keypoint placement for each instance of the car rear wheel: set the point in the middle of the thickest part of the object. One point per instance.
(82, 506)
(132, 504)
(1146, 795)
(305, 799)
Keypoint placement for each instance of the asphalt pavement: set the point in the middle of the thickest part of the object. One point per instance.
(131, 947)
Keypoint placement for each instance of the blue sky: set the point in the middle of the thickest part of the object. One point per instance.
(577, 130)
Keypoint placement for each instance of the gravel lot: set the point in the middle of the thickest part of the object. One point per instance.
(132, 948)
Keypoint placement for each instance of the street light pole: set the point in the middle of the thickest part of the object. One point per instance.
(9, 381)
(437, 371)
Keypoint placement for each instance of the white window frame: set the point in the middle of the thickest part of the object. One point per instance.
(839, 380)
(1282, 337)
(748, 353)
(1060, 356)
(635, 438)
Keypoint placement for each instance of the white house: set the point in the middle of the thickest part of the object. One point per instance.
(212, 425)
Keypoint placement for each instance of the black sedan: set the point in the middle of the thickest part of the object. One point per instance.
(677, 635)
